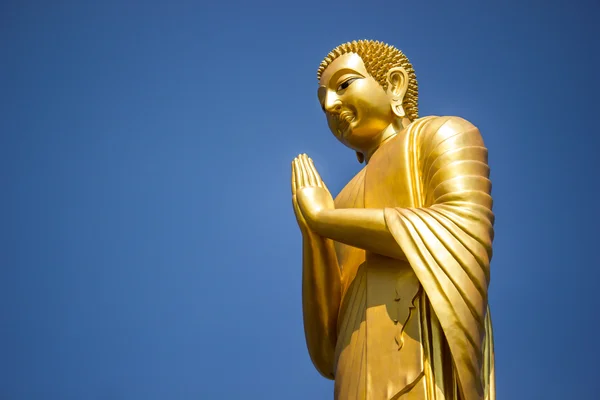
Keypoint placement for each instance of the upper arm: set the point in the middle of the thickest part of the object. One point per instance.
(453, 163)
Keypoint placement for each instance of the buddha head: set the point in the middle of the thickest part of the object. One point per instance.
(365, 87)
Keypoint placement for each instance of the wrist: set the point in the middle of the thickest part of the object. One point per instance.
(312, 219)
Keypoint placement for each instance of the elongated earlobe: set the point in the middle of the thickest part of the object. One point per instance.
(397, 85)
(398, 110)
(360, 157)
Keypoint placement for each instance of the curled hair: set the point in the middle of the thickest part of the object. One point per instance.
(379, 58)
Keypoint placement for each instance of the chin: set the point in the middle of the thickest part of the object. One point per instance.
(361, 137)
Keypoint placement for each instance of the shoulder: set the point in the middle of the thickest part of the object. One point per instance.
(447, 131)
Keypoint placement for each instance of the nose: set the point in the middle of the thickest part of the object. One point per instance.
(332, 103)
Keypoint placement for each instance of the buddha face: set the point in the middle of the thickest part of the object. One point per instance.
(357, 107)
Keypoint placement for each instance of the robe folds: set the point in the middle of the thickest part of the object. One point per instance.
(447, 239)
(420, 328)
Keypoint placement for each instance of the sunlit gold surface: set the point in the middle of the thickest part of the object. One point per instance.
(396, 269)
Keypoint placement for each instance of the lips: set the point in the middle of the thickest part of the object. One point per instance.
(343, 121)
(347, 116)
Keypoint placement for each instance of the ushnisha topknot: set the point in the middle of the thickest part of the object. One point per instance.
(379, 58)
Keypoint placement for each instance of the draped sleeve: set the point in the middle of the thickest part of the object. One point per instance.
(447, 239)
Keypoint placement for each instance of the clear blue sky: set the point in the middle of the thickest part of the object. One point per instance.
(148, 244)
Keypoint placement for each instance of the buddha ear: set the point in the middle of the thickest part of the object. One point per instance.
(397, 79)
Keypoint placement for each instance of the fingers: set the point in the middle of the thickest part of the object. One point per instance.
(300, 173)
(316, 177)
(304, 173)
(299, 181)
(308, 171)
(294, 183)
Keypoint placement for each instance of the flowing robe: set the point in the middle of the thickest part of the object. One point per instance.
(420, 328)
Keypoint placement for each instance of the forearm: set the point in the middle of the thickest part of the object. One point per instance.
(364, 228)
(321, 296)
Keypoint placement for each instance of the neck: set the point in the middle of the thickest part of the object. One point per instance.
(392, 130)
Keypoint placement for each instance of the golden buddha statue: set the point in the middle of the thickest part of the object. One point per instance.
(396, 268)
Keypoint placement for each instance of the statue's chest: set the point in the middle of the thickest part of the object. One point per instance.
(388, 177)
